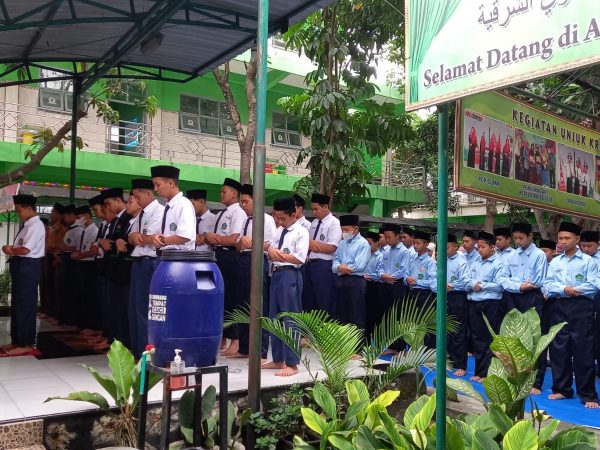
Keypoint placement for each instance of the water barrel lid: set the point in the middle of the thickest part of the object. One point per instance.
(188, 255)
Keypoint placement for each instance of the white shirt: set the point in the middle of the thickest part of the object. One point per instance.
(73, 235)
(105, 226)
(304, 222)
(205, 224)
(151, 222)
(180, 221)
(329, 232)
(32, 236)
(230, 221)
(88, 237)
(295, 242)
(270, 228)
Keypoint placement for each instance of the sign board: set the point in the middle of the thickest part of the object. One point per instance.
(457, 48)
(516, 153)
(6, 197)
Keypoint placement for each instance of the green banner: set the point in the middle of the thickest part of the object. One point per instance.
(513, 152)
(457, 48)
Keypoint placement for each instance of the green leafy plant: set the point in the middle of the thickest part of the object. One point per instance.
(513, 370)
(123, 386)
(5, 282)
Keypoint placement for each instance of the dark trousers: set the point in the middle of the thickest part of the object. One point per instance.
(597, 333)
(67, 291)
(372, 299)
(25, 274)
(286, 296)
(319, 287)
(425, 298)
(350, 300)
(524, 302)
(245, 275)
(480, 335)
(571, 352)
(45, 284)
(88, 304)
(142, 270)
(102, 281)
(118, 300)
(457, 306)
(228, 261)
(391, 294)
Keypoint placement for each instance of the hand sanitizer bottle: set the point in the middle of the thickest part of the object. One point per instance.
(177, 367)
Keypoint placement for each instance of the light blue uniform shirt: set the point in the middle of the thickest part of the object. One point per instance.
(424, 269)
(472, 257)
(458, 273)
(580, 271)
(354, 253)
(524, 265)
(505, 255)
(394, 262)
(487, 273)
(373, 264)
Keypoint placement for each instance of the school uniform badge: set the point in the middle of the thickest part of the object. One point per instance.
(21, 241)
(579, 277)
(286, 251)
(173, 227)
(322, 237)
(452, 278)
(420, 277)
(224, 226)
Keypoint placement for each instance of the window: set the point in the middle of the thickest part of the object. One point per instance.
(285, 130)
(55, 94)
(202, 115)
(277, 41)
(130, 92)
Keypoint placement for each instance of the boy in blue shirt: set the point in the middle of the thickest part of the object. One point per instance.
(373, 290)
(484, 299)
(570, 286)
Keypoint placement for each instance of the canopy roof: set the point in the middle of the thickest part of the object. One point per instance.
(184, 36)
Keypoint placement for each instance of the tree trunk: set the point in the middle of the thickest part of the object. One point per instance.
(490, 215)
(14, 175)
(245, 140)
(539, 218)
(554, 221)
(323, 176)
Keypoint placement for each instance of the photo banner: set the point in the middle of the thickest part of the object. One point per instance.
(456, 48)
(515, 153)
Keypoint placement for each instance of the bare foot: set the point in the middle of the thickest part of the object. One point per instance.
(592, 405)
(356, 357)
(304, 343)
(233, 348)
(7, 347)
(459, 373)
(273, 365)
(535, 391)
(236, 355)
(19, 350)
(556, 396)
(263, 361)
(477, 379)
(223, 343)
(287, 372)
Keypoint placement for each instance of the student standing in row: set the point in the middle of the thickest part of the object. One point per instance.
(349, 264)
(287, 251)
(300, 205)
(548, 246)
(470, 246)
(589, 246)
(407, 236)
(325, 235)
(373, 288)
(67, 292)
(504, 248)
(205, 220)
(147, 224)
(224, 236)
(570, 288)
(26, 255)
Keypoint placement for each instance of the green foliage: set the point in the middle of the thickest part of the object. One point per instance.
(5, 282)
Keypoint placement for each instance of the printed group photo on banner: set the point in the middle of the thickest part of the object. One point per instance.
(575, 171)
(488, 144)
(535, 159)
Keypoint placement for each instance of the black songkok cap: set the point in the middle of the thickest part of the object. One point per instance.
(142, 183)
(83, 209)
(487, 237)
(164, 172)
(70, 209)
(349, 220)
(24, 200)
(196, 194)
(590, 236)
(547, 243)
(97, 200)
(59, 208)
(393, 227)
(382, 229)
(423, 235)
(299, 200)
(452, 239)
(470, 234)
(524, 228)
(284, 204)
(570, 227)
(232, 184)
(409, 231)
(320, 198)
(112, 193)
(247, 189)
(372, 235)
(504, 231)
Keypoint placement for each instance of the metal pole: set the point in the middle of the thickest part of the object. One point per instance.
(74, 110)
(442, 268)
(258, 214)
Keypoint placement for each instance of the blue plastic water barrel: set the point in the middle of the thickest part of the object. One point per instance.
(185, 308)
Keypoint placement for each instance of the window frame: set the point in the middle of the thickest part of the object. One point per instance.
(286, 131)
(222, 117)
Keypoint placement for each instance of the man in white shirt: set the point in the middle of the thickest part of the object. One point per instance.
(244, 246)
(325, 234)
(205, 220)
(300, 205)
(26, 255)
(223, 237)
(67, 287)
(146, 224)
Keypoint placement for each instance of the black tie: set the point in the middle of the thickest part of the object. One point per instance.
(316, 233)
(164, 221)
(218, 220)
(198, 220)
(81, 241)
(140, 221)
(246, 225)
(283, 233)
